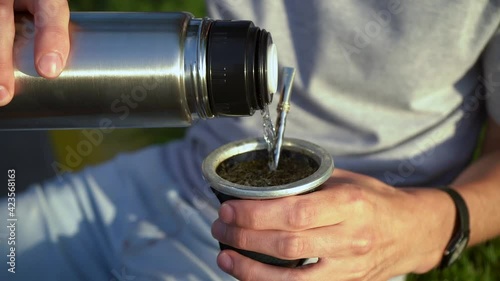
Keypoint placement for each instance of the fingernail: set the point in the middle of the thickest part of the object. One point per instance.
(219, 230)
(225, 262)
(4, 93)
(50, 64)
(226, 213)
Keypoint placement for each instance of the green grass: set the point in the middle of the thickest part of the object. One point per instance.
(481, 263)
(196, 7)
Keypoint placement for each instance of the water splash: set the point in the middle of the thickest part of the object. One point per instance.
(269, 135)
(273, 134)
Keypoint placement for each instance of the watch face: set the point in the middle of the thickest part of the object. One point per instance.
(460, 247)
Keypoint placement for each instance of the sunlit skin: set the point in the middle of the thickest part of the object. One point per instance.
(51, 40)
(359, 227)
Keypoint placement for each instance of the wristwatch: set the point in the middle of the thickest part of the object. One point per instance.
(460, 237)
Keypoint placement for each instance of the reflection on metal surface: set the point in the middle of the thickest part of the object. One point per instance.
(140, 70)
(315, 152)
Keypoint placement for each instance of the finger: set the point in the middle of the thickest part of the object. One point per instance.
(52, 36)
(293, 213)
(7, 34)
(333, 241)
(246, 269)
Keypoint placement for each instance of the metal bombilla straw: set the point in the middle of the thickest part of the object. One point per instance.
(283, 107)
(248, 150)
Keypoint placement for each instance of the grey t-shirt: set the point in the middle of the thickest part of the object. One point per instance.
(393, 89)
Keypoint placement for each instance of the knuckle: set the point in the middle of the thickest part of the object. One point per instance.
(254, 219)
(292, 246)
(362, 244)
(55, 7)
(42, 19)
(302, 214)
(240, 238)
(52, 13)
(55, 33)
(359, 200)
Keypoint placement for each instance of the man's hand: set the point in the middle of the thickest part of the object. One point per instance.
(52, 40)
(359, 227)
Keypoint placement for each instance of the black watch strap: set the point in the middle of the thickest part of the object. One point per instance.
(460, 236)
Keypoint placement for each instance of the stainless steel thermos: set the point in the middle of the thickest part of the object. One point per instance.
(144, 70)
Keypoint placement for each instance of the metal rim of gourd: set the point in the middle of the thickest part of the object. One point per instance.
(317, 153)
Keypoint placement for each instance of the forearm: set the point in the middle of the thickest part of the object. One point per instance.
(479, 185)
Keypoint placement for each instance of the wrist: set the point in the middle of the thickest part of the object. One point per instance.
(432, 228)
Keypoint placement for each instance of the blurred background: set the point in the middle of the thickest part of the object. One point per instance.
(124, 139)
(33, 153)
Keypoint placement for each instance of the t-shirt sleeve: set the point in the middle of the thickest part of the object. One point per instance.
(491, 76)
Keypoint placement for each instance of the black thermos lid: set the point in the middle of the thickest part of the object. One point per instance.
(242, 68)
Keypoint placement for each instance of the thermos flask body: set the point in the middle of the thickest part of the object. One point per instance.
(143, 70)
